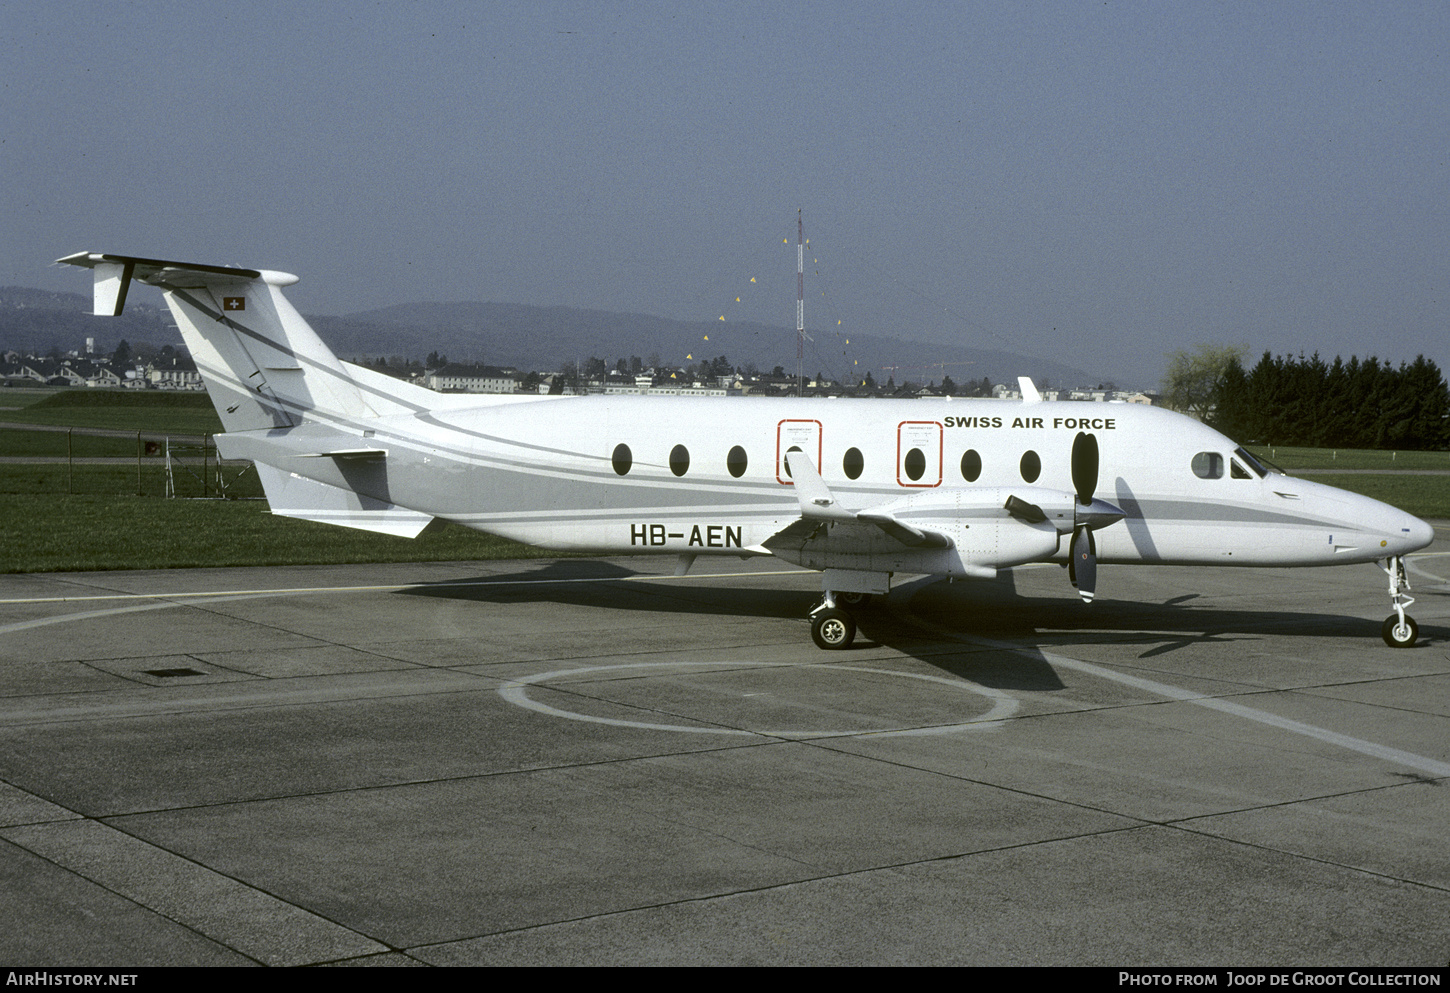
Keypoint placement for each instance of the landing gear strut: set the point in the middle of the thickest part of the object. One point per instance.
(1400, 629)
(831, 627)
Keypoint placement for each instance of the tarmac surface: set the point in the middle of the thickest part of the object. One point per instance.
(594, 762)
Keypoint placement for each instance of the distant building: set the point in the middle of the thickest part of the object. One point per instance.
(458, 378)
(174, 372)
(25, 369)
(92, 373)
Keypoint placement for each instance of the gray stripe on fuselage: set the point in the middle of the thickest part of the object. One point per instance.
(431, 418)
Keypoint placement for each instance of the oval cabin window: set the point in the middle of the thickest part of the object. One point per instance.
(915, 464)
(679, 460)
(971, 465)
(853, 463)
(1031, 467)
(735, 462)
(622, 459)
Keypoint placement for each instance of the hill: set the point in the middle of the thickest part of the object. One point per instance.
(544, 338)
(36, 320)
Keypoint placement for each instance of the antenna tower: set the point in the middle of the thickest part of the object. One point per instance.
(800, 304)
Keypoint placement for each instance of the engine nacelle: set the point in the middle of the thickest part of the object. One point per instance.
(982, 534)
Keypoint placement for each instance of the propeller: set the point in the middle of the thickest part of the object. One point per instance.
(1082, 565)
(1088, 514)
(1085, 466)
(1082, 568)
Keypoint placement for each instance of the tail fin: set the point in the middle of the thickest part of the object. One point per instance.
(263, 365)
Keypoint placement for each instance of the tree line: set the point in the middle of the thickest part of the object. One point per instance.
(1361, 403)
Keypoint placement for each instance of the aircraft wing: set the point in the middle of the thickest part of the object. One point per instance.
(819, 504)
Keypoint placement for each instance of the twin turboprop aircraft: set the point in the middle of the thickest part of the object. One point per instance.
(857, 489)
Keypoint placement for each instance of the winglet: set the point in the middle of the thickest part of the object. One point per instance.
(818, 503)
(817, 500)
(1029, 390)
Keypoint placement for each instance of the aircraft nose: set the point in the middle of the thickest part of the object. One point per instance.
(1392, 529)
(1417, 533)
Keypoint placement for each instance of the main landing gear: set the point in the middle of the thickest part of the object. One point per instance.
(832, 626)
(1399, 629)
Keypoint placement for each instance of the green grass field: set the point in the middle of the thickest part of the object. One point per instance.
(58, 479)
(53, 444)
(156, 411)
(82, 533)
(1290, 459)
(13, 397)
(1423, 496)
(58, 517)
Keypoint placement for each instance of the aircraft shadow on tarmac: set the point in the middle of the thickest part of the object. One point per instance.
(591, 583)
(936, 621)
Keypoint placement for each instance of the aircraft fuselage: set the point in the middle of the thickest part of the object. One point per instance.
(708, 476)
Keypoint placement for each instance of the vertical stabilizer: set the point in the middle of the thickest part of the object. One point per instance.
(255, 349)
(263, 365)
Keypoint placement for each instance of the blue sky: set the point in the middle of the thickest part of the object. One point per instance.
(1099, 183)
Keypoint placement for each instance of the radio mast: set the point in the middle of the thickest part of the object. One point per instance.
(800, 304)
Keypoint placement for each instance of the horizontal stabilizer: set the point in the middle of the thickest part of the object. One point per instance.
(290, 495)
(113, 275)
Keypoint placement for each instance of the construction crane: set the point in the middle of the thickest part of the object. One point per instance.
(922, 368)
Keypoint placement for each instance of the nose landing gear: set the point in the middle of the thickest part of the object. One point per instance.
(1399, 629)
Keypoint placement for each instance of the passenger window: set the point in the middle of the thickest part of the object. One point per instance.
(1238, 471)
(915, 464)
(1208, 465)
(735, 462)
(853, 463)
(679, 460)
(971, 465)
(1031, 467)
(622, 459)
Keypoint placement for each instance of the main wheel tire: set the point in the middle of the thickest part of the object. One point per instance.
(833, 629)
(1400, 637)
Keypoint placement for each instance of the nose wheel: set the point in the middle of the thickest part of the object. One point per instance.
(1399, 629)
(832, 628)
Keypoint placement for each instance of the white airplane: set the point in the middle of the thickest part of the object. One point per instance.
(857, 489)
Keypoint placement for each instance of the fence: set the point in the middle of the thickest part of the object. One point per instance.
(87, 461)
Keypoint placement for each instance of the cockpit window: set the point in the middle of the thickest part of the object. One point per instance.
(1208, 465)
(1237, 471)
(1252, 463)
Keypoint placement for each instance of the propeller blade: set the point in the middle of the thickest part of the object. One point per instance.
(1083, 566)
(1085, 466)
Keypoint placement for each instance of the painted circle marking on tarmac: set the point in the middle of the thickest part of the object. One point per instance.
(515, 691)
